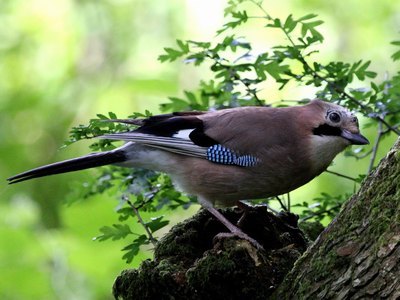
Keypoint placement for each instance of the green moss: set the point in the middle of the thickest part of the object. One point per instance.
(311, 229)
(190, 264)
(212, 269)
(397, 156)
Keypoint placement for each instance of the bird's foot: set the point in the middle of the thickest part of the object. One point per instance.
(234, 231)
(241, 235)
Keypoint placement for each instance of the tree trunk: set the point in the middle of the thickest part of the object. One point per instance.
(356, 257)
(358, 254)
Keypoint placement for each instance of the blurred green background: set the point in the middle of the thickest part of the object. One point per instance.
(61, 62)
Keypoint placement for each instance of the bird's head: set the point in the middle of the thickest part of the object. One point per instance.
(333, 129)
(336, 121)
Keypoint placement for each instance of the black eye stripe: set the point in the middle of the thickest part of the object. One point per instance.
(327, 130)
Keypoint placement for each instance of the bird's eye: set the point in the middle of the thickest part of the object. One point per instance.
(334, 117)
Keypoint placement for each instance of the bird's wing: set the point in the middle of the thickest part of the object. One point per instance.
(233, 128)
(165, 132)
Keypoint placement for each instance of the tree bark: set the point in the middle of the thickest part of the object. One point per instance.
(358, 254)
(356, 257)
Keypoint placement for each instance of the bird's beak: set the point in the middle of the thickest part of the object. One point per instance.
(354, 138)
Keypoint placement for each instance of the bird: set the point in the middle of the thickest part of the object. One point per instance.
(228, 155)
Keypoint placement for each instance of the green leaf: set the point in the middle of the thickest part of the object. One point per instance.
(307, 17)
(191, 97)
(101, 117)
(310, 28)
(276, 70)
(362, 72)
(157, 223)
(240, 16)
(115, 232)
(203, 45)
(370, 74)
(183, 46)
(133, 249)
(276, 24)
(396, 56)
(173, 54)
(176, 104)
(290, 24)
(112, 115)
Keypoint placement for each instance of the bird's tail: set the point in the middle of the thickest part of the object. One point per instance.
(85, 162)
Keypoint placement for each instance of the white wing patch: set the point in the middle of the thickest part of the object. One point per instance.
(183, 134)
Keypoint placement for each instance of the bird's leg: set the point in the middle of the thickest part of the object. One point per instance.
(234, 230)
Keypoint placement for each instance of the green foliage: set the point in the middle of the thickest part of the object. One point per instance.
(324, 206)
(98, 127)
(114, 232)
(144, 191)
(237, 76)
(396, 55)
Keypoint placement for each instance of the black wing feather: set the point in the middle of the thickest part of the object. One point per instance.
(169, 124)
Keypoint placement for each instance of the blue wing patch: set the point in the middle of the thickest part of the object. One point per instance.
(222, 155)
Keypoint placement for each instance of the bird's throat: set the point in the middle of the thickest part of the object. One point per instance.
(323, 149)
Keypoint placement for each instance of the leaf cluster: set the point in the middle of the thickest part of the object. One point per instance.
(324, 206)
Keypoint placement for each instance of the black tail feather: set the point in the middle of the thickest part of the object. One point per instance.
(85, 162)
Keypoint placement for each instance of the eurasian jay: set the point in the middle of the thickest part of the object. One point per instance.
(229, 155)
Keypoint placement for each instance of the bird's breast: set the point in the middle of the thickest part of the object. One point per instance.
(226, 184)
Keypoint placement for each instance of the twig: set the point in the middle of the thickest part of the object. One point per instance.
(379, 118)
(341, 175)
(380, 131)
(375, 147)
(281, 203)
(259, 5)
(146, 228)
(364, 155)
(252, 92)
(326, 211)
